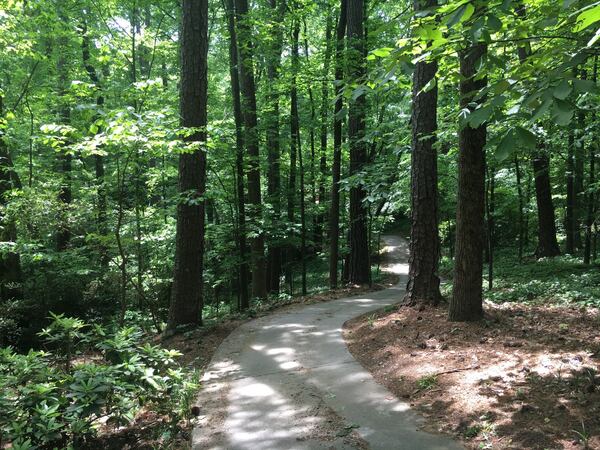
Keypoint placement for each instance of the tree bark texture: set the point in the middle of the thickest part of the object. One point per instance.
(186, 300)
(248, 91)
(466, 303)
(358, 263)
(274, 255)
(243, 279)
(423, 282)
(547, 243)
(334, 212)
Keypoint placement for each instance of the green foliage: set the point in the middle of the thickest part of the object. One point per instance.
(427, 381)
(45, 403)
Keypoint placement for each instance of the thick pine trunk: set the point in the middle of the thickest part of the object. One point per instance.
(186, 301)
(547, 243)
(244, 299)
(423, 282)
(358, 261)
(248, 91)
(334, 212)
(466, 303)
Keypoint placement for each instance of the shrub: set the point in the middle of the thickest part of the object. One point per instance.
(59, 398)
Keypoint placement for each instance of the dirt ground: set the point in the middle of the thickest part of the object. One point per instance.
(524, 378)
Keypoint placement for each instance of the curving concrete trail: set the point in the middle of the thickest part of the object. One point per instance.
(287, 382)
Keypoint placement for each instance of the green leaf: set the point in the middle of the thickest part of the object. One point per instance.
(582, 86)
(382, 52)
(480, 116)
(587, 18)
(493, 23)
(563, 90)
(505, 147)
(562, 112)
(541, 110)
(526, 138)
(462, 13)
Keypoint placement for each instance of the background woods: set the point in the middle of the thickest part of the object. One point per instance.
(165, 163)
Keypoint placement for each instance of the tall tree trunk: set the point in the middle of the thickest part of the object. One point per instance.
(547, 243)
(578, 188)
(591, 199)
(274, 256)
(323, 134)
(294, 149)
(248, 91)
(490, 209)
(10, 264)
(302, 219)
(521, 206)
(334, 212)
(423, 282)
(467, 303)
(311, 134)
(186, 301)
(244, 300)
(570, 207)
(65, 194)
(98, 159)
(359, 266)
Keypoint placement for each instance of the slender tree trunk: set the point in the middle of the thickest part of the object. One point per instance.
(570, 207)
(311, 134)
(547, 243)
(591, 203)
(521, 218)
(467, 303)
(579, 212)
(359, 266)
(294, 149)
(186, 302)
(244, 300)
(98, 159)
(302, 219)
(323, 135)
(248, 91)
(334, 213)
(423, 280)
(490, 208)
(274, 256)
(10, 264)
(65, 194)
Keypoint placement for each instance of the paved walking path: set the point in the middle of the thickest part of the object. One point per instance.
(287, 381)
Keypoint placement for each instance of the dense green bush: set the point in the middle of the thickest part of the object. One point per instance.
(88, 377)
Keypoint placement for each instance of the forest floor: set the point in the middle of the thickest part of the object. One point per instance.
(525, 377)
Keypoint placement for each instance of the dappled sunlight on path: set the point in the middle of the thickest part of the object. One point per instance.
(287, 381)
